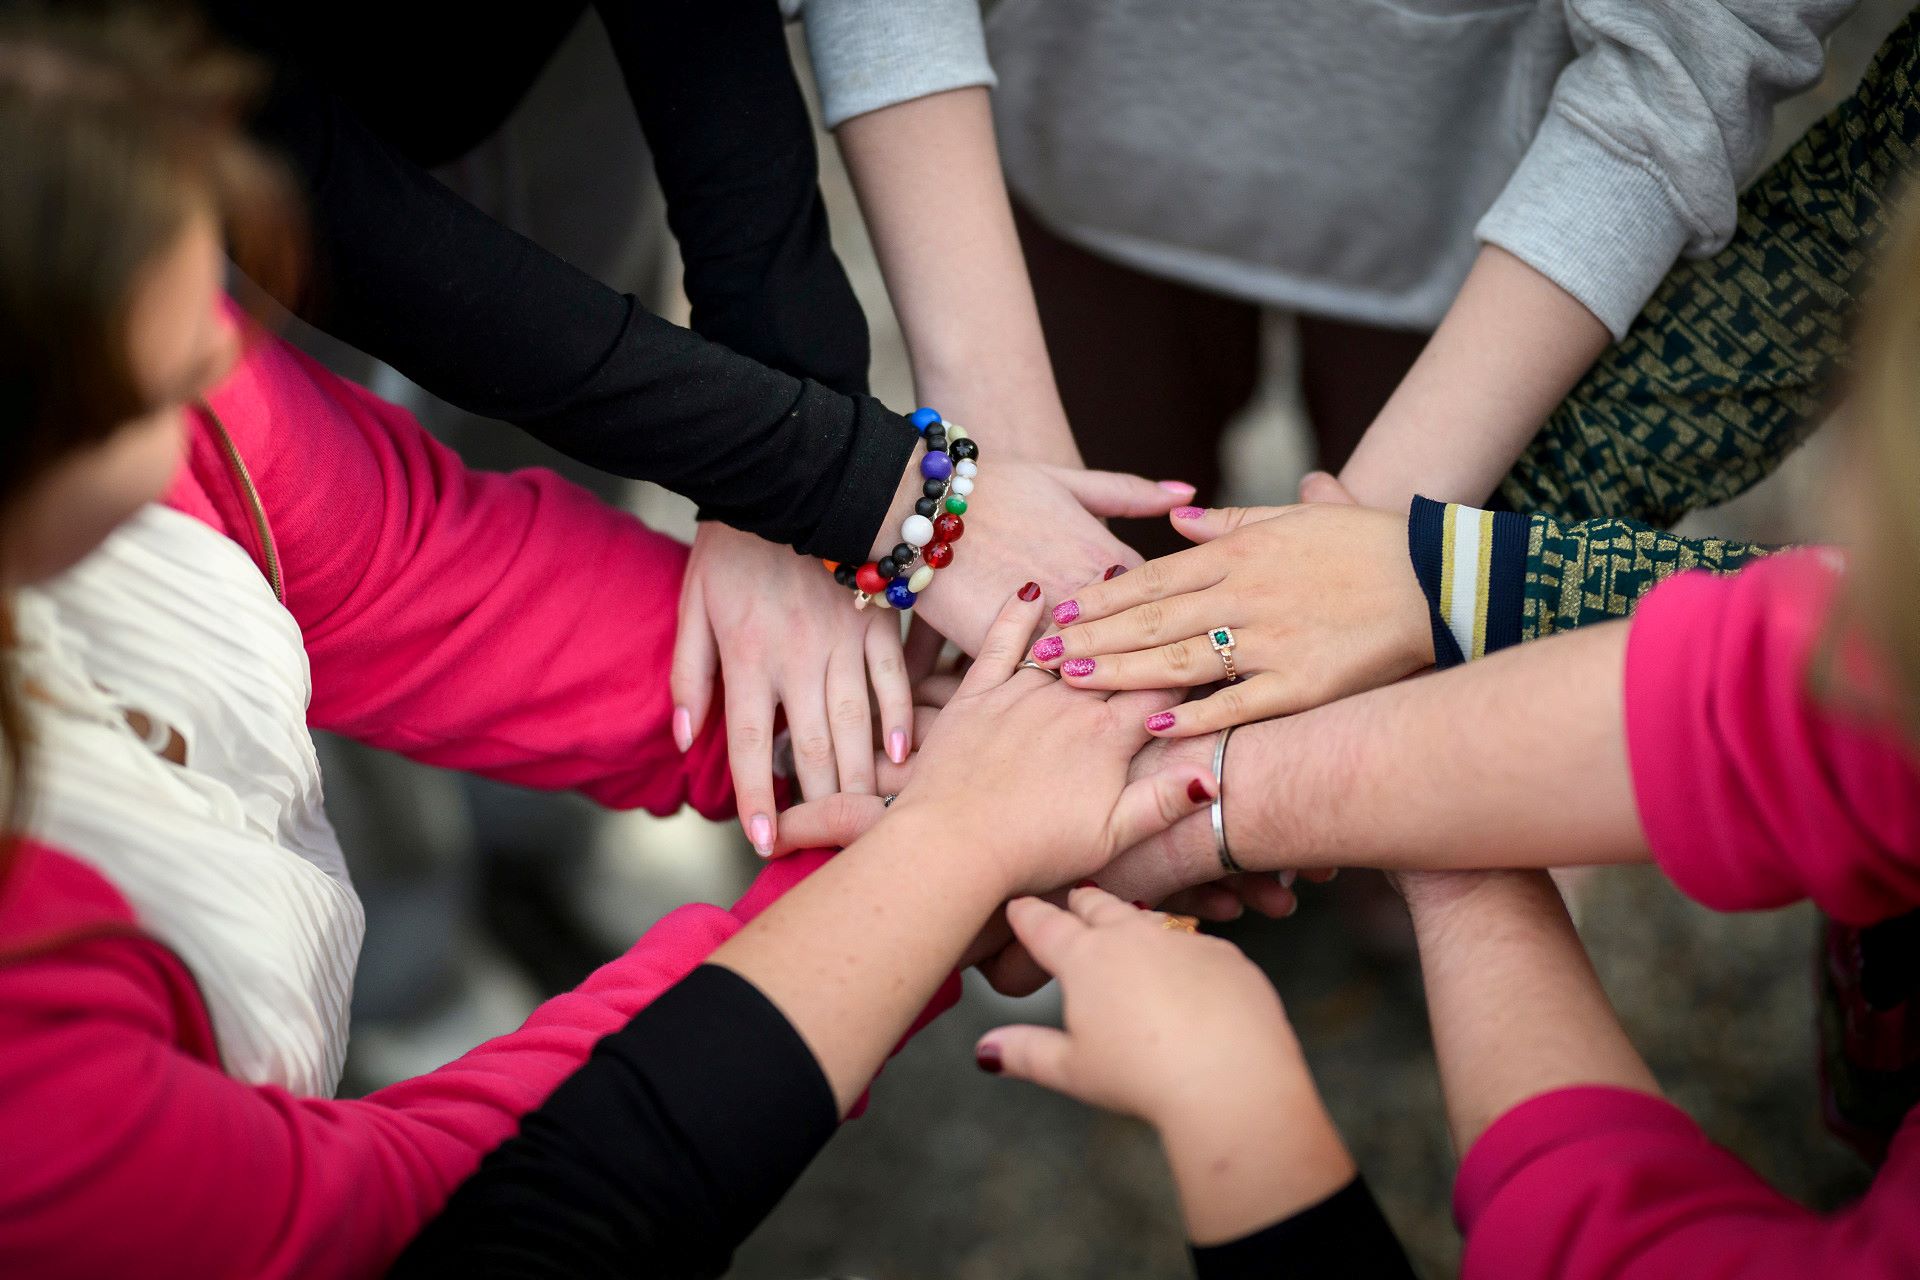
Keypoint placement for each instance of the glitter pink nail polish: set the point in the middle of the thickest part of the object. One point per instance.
(1066, 611)
(1159, 721)
(1048, 649)
(1078, 667)
(1188, 513)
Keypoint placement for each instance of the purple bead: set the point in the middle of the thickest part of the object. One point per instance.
(898, 596)
(936, 465)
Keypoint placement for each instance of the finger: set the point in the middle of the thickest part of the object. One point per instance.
(1204, 524)
(935, 691)
(1187, 616)
(1151, 804)
(1006, 641)
(696, 660)
(1207, 901)
(1182, 664)
(804, 696)
(832, 822)
(923, 648)
(1318, 875)
(1098, 907)
(1038, 1055)
(890, 779)
(892, 690)
(1014, 971)
(1156, 580)
(1265, 895)
(1115, 493)
(750, 756)
(1258, 697)
(850, 717)
(1045, 930)
(1318, 486)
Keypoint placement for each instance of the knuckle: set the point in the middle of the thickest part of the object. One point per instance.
(1178, 656)
(813, 749)
(1151, 617)
(749, 736)
(887, 667)
(1152, 576)
(849, 710)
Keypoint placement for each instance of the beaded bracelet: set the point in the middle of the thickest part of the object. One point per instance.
(947, 473)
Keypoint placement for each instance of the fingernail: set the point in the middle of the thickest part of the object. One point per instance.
(682, 728)
(1159, 720)
(760, 831)
(1113, 571)
(1330, 875)
(897, 746)
(1291, 908)
(1030, 592)
(987, 1058)
(1049, 648)
(1066, 611)
(1287, 877)
(1188, 513)
(1078, 667)
(1197, 792)
(1141, 905)
(1177, 486)
(1085, 884)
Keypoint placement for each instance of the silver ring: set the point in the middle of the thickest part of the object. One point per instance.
(1227, 863)
(1028, 664)
(886, 802)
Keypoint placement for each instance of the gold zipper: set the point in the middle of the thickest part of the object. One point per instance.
(239, 466)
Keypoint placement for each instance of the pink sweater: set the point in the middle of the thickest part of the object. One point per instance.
(1752, 794)
(508, 625)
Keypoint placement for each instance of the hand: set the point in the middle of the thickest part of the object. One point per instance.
(1186, 1033)
(1321, 599)
(783, 633)
(1036, 773)
(1028, 520)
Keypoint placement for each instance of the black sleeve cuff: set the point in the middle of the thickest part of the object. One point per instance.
(1472, 567)
(1343, 1236)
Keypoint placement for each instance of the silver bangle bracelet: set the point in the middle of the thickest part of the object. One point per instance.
(1227, 863)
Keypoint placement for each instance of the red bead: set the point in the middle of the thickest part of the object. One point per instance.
(867, 578)
(947, 528)
(937, 554)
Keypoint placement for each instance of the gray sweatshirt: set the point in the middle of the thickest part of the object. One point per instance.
(869, 54)
(1341, 157)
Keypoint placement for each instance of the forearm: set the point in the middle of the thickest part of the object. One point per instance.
(1509, 349)
(1515, 1005)
(853, 953)
(927, 173)
(1515, 761)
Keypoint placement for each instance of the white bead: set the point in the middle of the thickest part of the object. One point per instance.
(921, 577)
(962, 486)
(967, 468)
(916, 530)
(956, 432)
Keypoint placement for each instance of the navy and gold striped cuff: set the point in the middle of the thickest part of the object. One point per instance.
(1472, 565)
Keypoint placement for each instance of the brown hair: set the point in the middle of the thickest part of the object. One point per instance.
(118, 126)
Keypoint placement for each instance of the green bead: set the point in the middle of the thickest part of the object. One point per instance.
(957, 505)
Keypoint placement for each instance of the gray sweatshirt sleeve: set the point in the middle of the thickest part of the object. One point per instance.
(869, 54)
(1651, 131)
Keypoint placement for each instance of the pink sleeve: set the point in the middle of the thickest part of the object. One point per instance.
(509, 625)
(1753, 792)
(127, 1156)
(1591, 1183)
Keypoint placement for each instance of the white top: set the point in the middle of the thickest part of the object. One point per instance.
(229, 861)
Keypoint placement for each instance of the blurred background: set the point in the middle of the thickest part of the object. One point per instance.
(483, 899)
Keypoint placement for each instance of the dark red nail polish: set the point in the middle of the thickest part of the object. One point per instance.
(1113, 571)
(1085, 884)
(987, 1058)
(1143, 906)
(1197, 792)
(1030, 592)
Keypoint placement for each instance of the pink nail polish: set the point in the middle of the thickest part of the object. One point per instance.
(1049, 648)
(1113, 571)
(1159, 721)
(1078, 667)
(897, 746)
(1066, 611)
(1177, 486)
(682, 728)
(760, 831)
(1188, 513)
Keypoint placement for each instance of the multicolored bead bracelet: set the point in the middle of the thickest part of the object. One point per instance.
(947, 472)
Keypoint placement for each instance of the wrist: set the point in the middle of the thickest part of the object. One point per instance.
(989, 866)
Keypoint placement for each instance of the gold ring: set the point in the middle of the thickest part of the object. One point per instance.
(1181, 924)
(1221, 638)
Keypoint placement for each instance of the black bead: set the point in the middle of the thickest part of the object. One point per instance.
(936, 439)
(887, 567)
(928, 507)
(904, 554)
(963, 450)
(844, 575)
(934, 488)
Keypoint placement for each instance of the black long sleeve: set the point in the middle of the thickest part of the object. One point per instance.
(488, 320)
(655, 1159)
(1343, 1236)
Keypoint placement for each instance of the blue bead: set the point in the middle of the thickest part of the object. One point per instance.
(924, 418)
(898, 596)
(936, 465)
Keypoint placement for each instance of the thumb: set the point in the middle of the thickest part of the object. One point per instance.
(1115, 493)
(831, 822)
(1040, 1055)
(1319, 486)
(1204, 524)
(695, 661)
(1151, 804)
